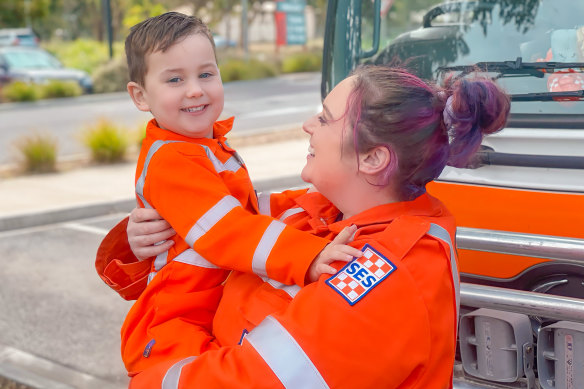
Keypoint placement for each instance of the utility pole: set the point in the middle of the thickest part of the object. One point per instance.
(27, 13)
(107, 14)
(244, 41)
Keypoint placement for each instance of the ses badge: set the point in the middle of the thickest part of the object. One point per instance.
(360, 276)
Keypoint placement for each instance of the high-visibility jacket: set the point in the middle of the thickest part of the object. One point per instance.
(395, 330)
(201, 187)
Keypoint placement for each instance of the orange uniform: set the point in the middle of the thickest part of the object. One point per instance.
(387, 320)
(201, 187)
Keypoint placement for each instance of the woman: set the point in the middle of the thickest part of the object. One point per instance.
(385, 320)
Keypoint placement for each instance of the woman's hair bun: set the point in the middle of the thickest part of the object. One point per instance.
(476, 107)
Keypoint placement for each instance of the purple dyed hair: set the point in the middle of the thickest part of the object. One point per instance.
(391, 107)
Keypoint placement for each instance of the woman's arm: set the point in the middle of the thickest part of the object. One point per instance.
(148, 233)
(320, 340)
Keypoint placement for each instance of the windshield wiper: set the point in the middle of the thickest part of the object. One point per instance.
(507, 68)
(549, 96)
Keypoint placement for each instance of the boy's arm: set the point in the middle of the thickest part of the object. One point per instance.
(273, 204)
(187, 190)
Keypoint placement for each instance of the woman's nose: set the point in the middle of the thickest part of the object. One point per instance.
(308, 126)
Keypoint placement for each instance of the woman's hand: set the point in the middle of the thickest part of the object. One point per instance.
(148, 233)
(337, 250)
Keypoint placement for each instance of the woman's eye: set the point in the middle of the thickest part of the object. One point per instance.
(322, 120)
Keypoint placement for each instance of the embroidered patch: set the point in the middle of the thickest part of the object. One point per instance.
(359, 276)
(148, 348)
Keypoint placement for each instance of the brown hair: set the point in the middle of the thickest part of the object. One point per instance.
(159, 33)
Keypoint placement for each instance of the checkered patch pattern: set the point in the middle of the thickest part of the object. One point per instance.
(361, 275)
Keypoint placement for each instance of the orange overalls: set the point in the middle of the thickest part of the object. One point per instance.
(201, 187)
(389, 322)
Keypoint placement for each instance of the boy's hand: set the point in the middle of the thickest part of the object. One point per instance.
(148, 233)
(337, 250)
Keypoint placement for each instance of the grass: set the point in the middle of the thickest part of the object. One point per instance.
(39, 153)
(107, 142)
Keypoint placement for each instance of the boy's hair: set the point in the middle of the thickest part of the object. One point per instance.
(159, 33)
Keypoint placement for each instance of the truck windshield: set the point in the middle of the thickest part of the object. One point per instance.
(429, 37)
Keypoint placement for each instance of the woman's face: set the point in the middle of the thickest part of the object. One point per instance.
(331, 162)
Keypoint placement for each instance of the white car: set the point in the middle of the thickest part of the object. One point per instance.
(18, 37)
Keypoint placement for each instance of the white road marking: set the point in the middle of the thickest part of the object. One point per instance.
(85, 228)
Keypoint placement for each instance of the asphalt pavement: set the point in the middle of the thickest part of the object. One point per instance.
(64, 358)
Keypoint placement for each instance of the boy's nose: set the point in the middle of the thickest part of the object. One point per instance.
(194, 89)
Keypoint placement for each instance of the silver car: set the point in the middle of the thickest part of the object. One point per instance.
(33, 64)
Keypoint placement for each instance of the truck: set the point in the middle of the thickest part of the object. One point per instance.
(520, 205)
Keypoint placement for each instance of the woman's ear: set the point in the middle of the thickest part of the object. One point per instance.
(138, 95)
(375, 160)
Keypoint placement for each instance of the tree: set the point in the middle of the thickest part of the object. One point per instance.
(16, 13)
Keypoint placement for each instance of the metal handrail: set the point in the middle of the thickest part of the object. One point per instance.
(514, 243)
(530, 303)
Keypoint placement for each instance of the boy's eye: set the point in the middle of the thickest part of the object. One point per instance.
(174, 79)
(205, 75)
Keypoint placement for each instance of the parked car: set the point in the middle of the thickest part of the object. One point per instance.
(18, 37)
(33, 64)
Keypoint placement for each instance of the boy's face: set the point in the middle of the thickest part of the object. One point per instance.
(182, 88)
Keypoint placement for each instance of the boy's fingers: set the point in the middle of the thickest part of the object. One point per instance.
(352, 251)
(327, 269)
(346, 235)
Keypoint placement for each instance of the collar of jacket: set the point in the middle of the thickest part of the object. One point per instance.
(220, 129)
(323, 214)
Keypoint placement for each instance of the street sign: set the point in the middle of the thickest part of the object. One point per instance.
(290, 22)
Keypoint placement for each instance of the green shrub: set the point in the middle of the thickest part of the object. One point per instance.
(56, 89)
(111, 77)
(238, 69)
(84, 54)
(21, 91)
(107, 142)
(302, 62)
(39, 153)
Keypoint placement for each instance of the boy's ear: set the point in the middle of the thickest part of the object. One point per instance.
(374, 161)
(138, 95)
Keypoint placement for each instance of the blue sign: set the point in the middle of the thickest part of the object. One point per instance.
(295, 20)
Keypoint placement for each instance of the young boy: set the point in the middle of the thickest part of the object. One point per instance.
(188, 173)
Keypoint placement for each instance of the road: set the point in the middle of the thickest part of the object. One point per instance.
(54, 306)
(280, 102)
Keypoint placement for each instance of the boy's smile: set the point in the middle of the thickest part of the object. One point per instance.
(182, 88)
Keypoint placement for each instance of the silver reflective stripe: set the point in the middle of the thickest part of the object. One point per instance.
(160, 260)
(142, 179)
(264, 203)
(210, 218)
(440, 232)
(284, 356)
(291, 290)
(264, 248)
(151, 276)
(290, 212)
(191, 257)
(172, 376)
(232, 164)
